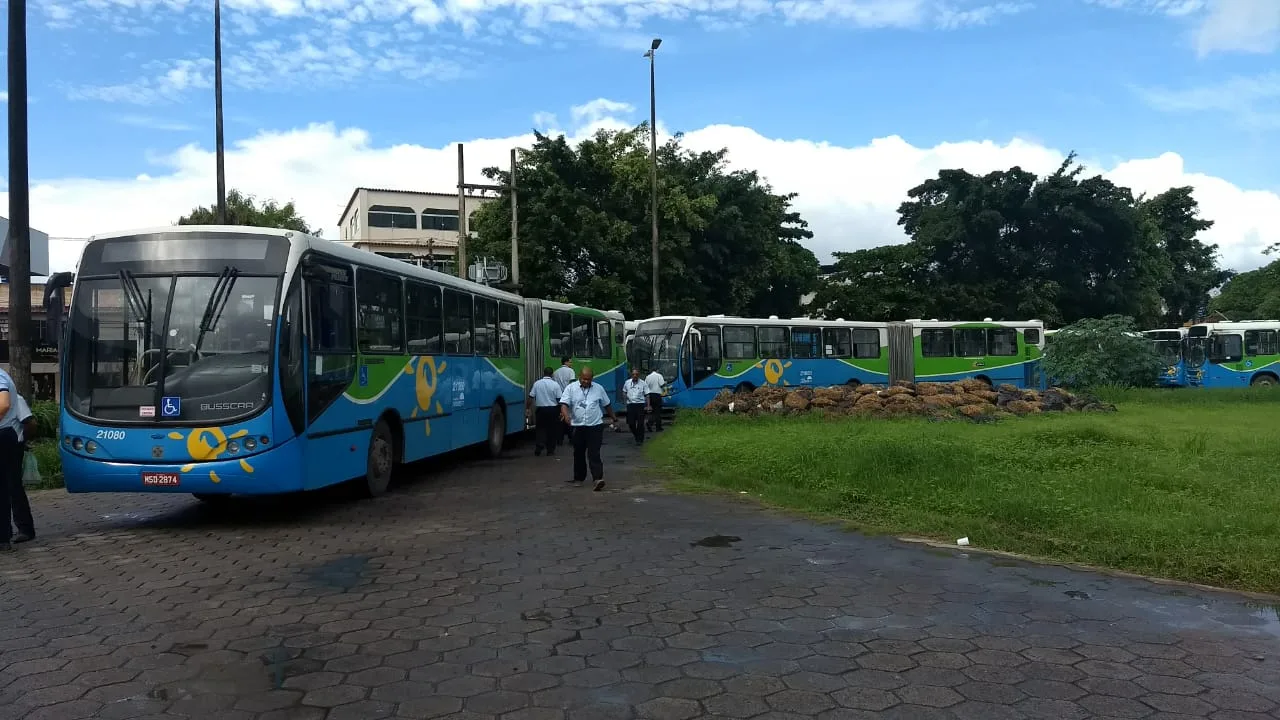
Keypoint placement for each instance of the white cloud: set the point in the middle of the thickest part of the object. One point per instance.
(1240, 25)
(1254, 101)
(170, 81)
(850, 195)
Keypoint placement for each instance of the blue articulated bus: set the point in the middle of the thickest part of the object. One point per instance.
(702, 356)
(218, 360)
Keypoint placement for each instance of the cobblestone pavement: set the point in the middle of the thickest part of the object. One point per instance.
(491, 588)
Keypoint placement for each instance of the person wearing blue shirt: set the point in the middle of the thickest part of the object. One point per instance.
(583, 406)
(636, 392)
(544, 397)
(13, 499)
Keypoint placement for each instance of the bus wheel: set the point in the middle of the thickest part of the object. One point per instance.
(1264, 381)
(497, 431)
(382, 449)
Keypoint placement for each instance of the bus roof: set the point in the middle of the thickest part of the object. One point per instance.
(790, 322)
(302, 241)
(1241, 326)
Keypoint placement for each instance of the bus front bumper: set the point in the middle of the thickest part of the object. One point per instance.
(265, 473)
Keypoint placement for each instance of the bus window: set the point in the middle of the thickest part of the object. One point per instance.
(424, 318)
(838, 342)
(774, 342)
(561, 330)
(1002, 342)
(291, 371)
(971, 343)
(581, 336)
(1261, 342)
(939, 342)
(804, 343)
(1031, 336)
(1226, 349)
(739, 343)
(485, 337)
(508, 330)
(457, 322)
(378, 298)
(866, 343)
(603, 340)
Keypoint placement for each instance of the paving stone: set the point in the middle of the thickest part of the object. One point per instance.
(466, 596)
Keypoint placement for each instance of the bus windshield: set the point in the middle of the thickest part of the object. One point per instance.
(656, 346)
(1170, 350)
(1195, 351)
(192, 345)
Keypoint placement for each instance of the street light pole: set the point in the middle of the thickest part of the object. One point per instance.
(217, 111)
(19, 240)
(653, 166)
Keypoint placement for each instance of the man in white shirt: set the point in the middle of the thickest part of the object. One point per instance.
(565, 377)
(654, 383)
(583, 405)
(635, 391)
(545, 401)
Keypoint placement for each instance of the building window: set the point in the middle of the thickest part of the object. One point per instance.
(393, 216)
(381, 323)
(438, 219)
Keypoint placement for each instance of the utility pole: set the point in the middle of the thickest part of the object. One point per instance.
(464, 186)
(515, 225)
(19, 241)
(653, 166)
(462, 215)
(217, 111)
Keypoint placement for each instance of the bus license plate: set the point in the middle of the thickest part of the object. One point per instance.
(161, 479)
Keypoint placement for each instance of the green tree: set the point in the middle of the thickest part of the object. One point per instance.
(1009, 244)
(1253, 295)
(1102, 352)
(1193, 265)
(727, 242)
(243, 209)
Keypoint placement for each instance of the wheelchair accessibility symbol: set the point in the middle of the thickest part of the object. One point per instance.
(170, 406)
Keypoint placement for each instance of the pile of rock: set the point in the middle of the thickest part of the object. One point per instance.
(971, 399)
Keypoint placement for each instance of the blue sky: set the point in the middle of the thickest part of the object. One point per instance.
(122, 88)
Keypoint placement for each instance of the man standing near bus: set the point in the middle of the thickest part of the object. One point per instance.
(565, 377)
(11, 465)
(583, 406)
(654, 383)
(545, 398)
(635, 390)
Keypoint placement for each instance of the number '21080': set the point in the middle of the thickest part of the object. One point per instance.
(110, 434)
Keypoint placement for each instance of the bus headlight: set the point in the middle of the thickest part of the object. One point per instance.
(91, 447)
(233, 447)
(250, 444)
(77, 444)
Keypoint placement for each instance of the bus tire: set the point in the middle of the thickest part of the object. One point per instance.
(497, 435)
(381, 461)
(985, 380)
(1263, 380)
(853, 383)
(744, 387)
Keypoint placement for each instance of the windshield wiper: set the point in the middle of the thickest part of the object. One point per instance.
(133, 294)
(217, 302)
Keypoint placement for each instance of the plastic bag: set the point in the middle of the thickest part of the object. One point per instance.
(30, 471)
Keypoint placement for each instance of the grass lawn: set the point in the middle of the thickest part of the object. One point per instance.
(1182, 484)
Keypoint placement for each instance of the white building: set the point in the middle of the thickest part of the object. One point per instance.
(417, 227)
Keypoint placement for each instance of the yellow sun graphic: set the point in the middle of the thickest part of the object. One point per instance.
(201, 449)
(773, 370)
(424, 387)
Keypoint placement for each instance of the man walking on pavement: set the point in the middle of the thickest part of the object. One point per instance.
(654, 383)
(565, 377)
(13, 499)
(545, 399)
(634, 390)
(583, 406)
